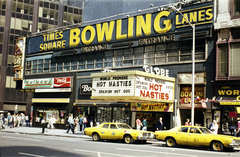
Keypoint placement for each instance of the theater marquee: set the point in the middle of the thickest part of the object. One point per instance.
(133, 86)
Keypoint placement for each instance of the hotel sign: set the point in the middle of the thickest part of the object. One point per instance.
(161, 24)
(134, 85)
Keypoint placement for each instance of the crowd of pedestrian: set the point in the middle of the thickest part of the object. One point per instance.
(14, 120)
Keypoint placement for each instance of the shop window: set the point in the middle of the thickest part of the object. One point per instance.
(99, 60)
(235, 9)
(118, 57)
(236, 33)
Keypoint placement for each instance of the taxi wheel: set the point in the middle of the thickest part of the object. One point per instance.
(128, 139)
(216, 146)
(96, 137)
(170, 142)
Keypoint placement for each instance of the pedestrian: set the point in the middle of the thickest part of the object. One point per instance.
(144, 123)
(8, 118)
(91, 121)
(85, 121)
(214, 127)
(3, 119)
(27, 120)
(187, 122)
(12, 125)
(22, 119)
(81, 123)
(160, 126)
(138, 123)
(70, 123)
(1, 123)
(18, 120)
(76, 120)
(233, 129)
(51, 122)
(238, 127)
(43, 122)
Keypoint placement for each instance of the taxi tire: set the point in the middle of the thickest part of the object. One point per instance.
(96, 137)
(216, 146)
(170, 142)
(128, 139)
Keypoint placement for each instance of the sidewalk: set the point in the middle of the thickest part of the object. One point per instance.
(38, 131)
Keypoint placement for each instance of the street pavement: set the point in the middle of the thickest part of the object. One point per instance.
(38, 131)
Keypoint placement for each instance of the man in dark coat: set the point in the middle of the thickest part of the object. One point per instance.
(160, 126)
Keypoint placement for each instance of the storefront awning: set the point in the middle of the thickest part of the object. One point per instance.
(50, 100)
(230, 103)
(99, 104)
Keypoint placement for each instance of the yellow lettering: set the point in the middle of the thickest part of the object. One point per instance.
(193, 16)
(41, 47)
(51, 36)
(63, 43)
(201, 15)
(54, 45)
(45, 47)
(105, 30)
(56, 35)
(44, 37)
(60, 34)
(167, 23)
(184, 20)
(74, 39)
(58, 44)
(235, 92)
(238, 98)
(92, 35)
(49, 46)
(177, 18)
(229, 92)
(130, 27)
(209, 14)
(143, 26)
(119, 34)
(221, 92)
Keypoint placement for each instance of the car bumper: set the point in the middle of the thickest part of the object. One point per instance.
(234, 145)
(144, 138)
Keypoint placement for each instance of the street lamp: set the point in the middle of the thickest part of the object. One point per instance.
(172, 8)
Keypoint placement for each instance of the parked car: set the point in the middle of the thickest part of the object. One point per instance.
(197, 136)
(118, 131)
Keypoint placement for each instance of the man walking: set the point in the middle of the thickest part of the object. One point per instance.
(70, 123)
(160, 126)
(144, 124)
(81, 123)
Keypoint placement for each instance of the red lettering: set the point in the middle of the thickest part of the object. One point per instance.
(152, 94)
(147, 94)
(142, 93)
(167, 96)
(151, 86)
(162, 95)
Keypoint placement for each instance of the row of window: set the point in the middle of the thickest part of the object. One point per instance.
(157, 54)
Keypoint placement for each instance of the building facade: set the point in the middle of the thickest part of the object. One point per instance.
(123, 68)
(24, 18)
(226, 84)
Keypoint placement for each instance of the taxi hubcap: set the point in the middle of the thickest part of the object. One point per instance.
(216, 146)
(170, 142)
(95, 137)
(127, 139)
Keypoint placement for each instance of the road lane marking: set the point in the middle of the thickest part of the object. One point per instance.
(193, 150)
(30, 154)
(21, 138)
(88, 151)
(146, 151)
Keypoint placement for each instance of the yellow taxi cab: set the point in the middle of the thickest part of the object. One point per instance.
(118, 131)
(197, 136)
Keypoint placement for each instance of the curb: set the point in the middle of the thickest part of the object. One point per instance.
(85, 136)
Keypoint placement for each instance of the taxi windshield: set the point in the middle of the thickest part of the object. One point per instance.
(123, 126)
(205, 130)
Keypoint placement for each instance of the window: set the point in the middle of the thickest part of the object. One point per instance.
(234, 60)
(194, 130)
(105, 126)
(222, 60)
(183, 129)
(113, 126)
(235, 9)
